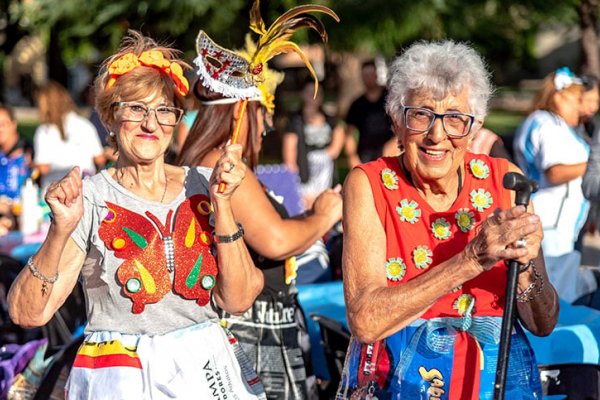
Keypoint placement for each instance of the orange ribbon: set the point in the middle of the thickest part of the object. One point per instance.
(150, 58)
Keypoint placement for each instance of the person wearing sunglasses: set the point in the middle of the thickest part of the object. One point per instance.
(426, 238)
(156, 246)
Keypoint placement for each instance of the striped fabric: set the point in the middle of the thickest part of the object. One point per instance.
(203, 361)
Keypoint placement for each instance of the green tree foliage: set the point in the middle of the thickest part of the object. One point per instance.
(503, 30)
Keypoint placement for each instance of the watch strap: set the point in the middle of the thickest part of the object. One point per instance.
(229, 238)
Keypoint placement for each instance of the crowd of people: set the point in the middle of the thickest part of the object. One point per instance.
(188, 261)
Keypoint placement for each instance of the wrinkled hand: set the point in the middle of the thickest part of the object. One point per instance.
(229, 169)
(329, 203)
(498, 236)
(65, 199)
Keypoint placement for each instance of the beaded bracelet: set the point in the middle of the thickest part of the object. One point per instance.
(526, 296)
(36, 272)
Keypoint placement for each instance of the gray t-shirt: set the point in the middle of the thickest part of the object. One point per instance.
(108, 309)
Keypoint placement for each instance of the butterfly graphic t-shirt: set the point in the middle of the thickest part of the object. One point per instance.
(149, 266)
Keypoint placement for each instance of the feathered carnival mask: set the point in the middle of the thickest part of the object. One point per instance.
(243, 74)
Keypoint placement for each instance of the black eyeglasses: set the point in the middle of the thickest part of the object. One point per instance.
(137, 112)
(422, 119)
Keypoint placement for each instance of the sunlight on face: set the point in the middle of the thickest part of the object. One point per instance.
(146, 141)
(433, 156)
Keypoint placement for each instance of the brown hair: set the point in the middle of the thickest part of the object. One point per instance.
(138, 83)
(9, 110)
(544, 99)
(54, 103)
(213, 128)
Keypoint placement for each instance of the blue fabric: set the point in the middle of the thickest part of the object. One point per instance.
(13, 172)
(422, 358)
(284, 183)
(576, 338)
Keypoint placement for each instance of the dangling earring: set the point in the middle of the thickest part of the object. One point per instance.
(400, 147)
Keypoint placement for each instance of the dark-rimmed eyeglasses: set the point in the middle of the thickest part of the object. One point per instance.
(137, 112)
(422, 119)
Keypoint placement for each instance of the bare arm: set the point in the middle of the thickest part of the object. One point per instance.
(289, 151)
(540, 314)
(563, 173)
(28, 305)
(375, 310)
(239, 281)
(277, 238)
(337, 142)
(351, 147)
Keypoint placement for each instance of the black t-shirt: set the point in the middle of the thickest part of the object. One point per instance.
(373, 124)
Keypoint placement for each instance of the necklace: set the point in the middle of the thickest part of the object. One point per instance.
(162, 198)
(409, 177)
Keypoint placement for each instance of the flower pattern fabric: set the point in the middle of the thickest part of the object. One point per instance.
(409, 211)
(422, 257)
(465, 219)
(150, 58)
(389, 179)
(479, 169)
(481, 199)
(395, 269)
(464, 304)
(441, 229)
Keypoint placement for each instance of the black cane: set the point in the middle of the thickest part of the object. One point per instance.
(523, 188)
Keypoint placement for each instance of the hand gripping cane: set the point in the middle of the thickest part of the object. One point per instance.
(523, 188)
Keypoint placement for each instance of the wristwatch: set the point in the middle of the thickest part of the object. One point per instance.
(229, 238)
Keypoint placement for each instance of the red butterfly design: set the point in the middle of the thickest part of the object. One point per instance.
(151, 251)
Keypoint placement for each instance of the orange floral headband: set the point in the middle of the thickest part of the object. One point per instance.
(149, 58)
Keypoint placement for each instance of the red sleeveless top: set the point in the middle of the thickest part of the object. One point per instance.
(419, 238)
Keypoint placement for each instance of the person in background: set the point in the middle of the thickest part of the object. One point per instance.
(15, 155)
(590, 103)
(233, 98)
(548, 150)
(15, 161)
(589, 123)
(311, 144)
(156, 246)
(426, 238)
(367, 116)
(487, 142)
(64, 139)
(103, 134)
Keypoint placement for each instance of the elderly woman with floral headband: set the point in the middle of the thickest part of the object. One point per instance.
(548, 149)
(156, 246)
(426, 237)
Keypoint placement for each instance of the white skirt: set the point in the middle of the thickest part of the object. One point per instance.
(203, 361)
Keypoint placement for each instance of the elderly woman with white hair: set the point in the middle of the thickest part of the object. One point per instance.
(426, 237)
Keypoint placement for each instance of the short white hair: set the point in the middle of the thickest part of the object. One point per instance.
(440, 68)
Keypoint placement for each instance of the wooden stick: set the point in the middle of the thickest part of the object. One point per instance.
(236, 132)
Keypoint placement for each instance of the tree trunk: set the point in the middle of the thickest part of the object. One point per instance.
(57, 70)
(588, 20)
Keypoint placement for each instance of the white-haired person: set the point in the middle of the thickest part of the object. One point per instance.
(426, 237)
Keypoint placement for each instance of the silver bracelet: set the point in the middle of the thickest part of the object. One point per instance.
(526, 295)
(36, 272)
